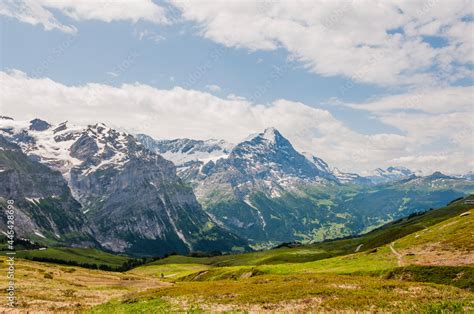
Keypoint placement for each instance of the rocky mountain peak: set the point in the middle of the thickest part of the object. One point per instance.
(39, 125)
(438, 175)
(270, 136)
(61, 127)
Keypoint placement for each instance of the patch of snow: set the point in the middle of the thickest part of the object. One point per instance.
(39, 234)
(33, 200)
(117, 160)
(259, 213)
(270, 135)
(181, 236)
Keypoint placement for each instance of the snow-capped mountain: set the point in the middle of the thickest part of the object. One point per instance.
(350, 178)
(264, 161)
(105, 188)
(270, 156)
(390, 174)
(131, 196)
(264, 164)
(264, 190)
(181, 151)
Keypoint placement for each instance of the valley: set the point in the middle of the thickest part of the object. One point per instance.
(436, 274)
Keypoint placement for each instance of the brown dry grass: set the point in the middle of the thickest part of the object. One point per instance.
(70, 289)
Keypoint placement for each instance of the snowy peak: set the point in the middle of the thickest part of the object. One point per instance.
(350, 178)
(270, 156)
(390, 174)
(266, 156)
(182, 151)
(268, 146)
(395, 171)
(272, 135)
(65, 146)
(269, 136)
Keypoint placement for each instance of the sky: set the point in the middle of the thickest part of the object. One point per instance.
(361, 84)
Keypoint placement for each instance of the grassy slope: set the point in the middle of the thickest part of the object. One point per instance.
(447, 243)
(295, 294)
(77, 255)
(369, 241)
(378, 237)
(46, 287)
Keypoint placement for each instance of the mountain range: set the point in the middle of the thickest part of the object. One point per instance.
(100, 187)
(264, 190)
(124, 196)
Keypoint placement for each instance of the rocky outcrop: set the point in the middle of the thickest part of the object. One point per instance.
(44, 205)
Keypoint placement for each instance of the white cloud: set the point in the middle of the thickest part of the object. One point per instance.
(377, 42)
(429, 100)
(149, 35)
(42, 12)
(213, 88)
(432, 114)
(439, 123)
(179, 112)
(34, 13)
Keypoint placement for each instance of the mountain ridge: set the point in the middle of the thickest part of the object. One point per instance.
(265, 190)
(260, 190)
(112, 175)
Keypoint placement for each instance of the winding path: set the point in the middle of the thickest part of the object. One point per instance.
(399, 256)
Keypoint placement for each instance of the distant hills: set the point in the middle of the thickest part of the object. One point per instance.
(99, 187)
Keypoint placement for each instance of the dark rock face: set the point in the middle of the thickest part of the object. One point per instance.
(85, 147)
(44, 204)
(140, 202)
(39, 125)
